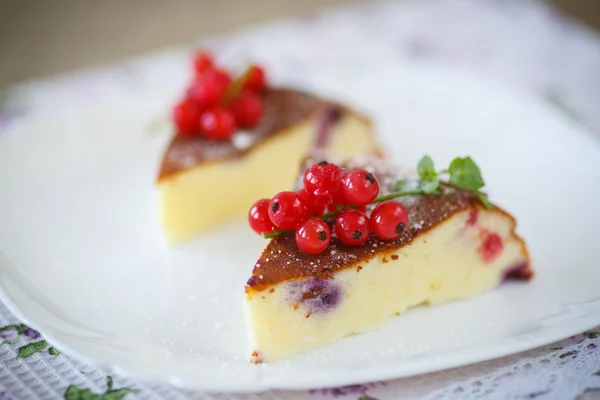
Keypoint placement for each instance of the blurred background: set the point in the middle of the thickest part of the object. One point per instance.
(47, 37)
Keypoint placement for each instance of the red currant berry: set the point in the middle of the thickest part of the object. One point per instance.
(388, 220)
(203, 62)
(258, 217)
(217, 124)
(313, 236)
(325, 180)
(311, 202)
(323, 198)
(352, 228)
(208, 90)
(337, 190)
(220, 76)
(286, 210)
(256, 80)
(247, 109)
(360, 187)
(186, 116)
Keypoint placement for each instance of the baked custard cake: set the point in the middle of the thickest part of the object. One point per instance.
(396, 242)
(229, 132)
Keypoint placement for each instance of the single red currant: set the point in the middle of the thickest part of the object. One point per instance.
(286, 210)
(310, 201)
(258, 217)
(337, 190)
(217, 124)
(389, 219)
(256, 80)
(352, 228)
(325, 180)
(186, 116)
(203, 62)
(247, 109)
(220, 76)
(208, 90)
(313, 236)
(360, 187)
(323, 198)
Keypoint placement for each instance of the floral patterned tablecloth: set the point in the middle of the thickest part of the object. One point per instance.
(522, 43)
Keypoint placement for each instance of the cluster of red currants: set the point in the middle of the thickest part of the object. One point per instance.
(327, 187)
(215, 105)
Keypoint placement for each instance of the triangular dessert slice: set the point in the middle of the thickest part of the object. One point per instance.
(455, 245)
(203, 182)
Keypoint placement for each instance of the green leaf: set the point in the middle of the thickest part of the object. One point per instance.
(465, 174)
(483, 198)
(594, 335)
(32, 348)
(567, 354)
(430, 185)
(72, 393)
(53, 351)
(117, 394)
(425, 168)
(19, 328)
(75, 393)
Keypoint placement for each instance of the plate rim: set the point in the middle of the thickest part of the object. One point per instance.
(377, 374)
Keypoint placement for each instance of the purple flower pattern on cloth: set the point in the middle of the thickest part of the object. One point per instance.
(7, 335)
(33, 342)
(348, 390)
(31, 333)
(5, 395)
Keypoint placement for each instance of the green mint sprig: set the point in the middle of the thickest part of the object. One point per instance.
(463, 173)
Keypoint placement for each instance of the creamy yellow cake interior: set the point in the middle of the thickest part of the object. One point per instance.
(438, 266)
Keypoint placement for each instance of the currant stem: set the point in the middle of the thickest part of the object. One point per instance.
(274, 234)
(236, 86)
(330, 214)
(401, 193)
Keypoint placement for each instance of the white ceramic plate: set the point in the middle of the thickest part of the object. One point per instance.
(86, 264)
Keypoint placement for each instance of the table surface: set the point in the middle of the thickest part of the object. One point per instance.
(520, 43)
(78, 34)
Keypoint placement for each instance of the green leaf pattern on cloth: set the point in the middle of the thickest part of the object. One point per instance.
(10, 334)
(76, 393)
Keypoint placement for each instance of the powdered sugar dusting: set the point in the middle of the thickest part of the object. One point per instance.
(243, 140)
